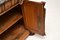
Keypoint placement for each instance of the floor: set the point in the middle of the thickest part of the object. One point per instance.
(52, 25)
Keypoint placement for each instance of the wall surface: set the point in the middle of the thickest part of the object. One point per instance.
(52, 25)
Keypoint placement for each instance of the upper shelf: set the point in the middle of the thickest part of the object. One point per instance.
(5, 7)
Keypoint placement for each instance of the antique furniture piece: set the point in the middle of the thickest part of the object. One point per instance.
(21, 18)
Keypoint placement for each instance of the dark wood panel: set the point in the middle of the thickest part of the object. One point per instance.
(34, 16)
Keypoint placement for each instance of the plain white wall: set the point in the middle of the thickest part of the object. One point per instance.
(52, 25)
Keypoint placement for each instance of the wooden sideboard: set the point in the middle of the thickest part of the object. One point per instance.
(20, 18)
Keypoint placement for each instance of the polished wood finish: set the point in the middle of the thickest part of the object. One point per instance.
(16, 1)
(21, 18)
(8, 20)
(8, 6)
(13, 2)
(13, 32)
(34, 16)
(2, 8)
(23, 36)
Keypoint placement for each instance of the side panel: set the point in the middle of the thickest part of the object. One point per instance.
(34, 16)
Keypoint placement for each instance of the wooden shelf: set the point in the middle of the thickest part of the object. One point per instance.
(23, 36)
(13, 32)
(8, 9)
(7, 20)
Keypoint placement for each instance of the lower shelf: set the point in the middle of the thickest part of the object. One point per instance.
(13, 32)
(23, 36)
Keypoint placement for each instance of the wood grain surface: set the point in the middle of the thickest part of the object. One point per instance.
(34, 16)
